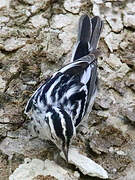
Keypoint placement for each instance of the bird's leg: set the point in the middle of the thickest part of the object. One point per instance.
(83, 129)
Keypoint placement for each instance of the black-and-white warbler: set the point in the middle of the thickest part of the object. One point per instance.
(59, 105)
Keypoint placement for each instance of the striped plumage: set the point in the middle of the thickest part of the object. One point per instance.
(58, 106)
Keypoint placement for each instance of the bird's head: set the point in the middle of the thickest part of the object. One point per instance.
(61, 128)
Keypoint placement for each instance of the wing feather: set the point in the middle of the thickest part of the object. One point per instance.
(71, 87)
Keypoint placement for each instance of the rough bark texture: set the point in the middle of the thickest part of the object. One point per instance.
(36, 38)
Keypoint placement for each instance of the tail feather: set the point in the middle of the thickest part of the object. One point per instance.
(84, 29)
(88, 36)
(84, 34)
(97, 26)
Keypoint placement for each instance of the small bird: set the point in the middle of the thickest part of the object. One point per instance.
(58, 106)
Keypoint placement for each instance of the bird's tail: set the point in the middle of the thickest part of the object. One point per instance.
(88, 36)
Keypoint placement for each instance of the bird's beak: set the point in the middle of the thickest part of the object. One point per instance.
(65, 151)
